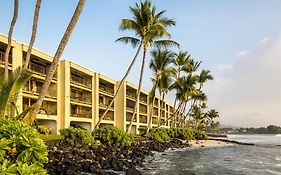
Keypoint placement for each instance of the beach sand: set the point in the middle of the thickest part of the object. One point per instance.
(209, 143)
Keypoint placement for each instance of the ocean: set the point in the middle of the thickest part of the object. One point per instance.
(262, 159)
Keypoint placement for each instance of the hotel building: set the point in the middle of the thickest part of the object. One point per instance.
(78, 97)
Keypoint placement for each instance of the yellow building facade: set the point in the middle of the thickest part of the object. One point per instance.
(78, 97)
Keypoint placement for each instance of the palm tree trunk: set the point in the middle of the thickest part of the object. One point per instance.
(162, 102)
(7, 52)
(139, 89)
(58, 54)
(152, 105)
(33, 34)
(172, 115)
(118, 88)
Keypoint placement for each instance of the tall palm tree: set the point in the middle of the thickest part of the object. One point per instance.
(203, 77)
(33, 34)
(164, 85)
(9, 90)
(148, 27)
(160, 66)
(181, 61)
(57, 56)
(7, 52)
(185, 90)
(191, 66)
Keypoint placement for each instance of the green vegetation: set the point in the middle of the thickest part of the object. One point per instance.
(21, 149)
(271, 129)
(47, 138)
(112, 136)
(165, 134)
(76, 137)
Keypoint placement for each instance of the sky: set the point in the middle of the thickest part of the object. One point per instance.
(238, 41)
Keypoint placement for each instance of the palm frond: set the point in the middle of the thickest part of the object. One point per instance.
(166, 43)
(129, 40)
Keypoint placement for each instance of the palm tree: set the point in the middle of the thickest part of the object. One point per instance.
(203, 77)
(148, 27)
(9, 90)
(191, 66)
(57, 56)
(7, 52)
(159, 64)
(185, 90)
(33, 34)
(164, 85)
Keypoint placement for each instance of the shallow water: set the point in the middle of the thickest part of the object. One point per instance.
(264, 158)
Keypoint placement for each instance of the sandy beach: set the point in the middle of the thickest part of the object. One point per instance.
(209, 143)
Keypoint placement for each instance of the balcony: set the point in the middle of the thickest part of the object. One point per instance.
(79, 80)
(143, 109)
(130, 105)
(154, 121)
(129, 116)
(143, 98)
(80, 111)
(109, 115)
(34, 87)
(2, 57)
(81, 96)
(143, 119)
(155, 111)
(106, 90)
(48, 108)
(105, 101)
(132, 96)
(38, 68)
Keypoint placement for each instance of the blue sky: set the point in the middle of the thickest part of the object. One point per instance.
(218, 32)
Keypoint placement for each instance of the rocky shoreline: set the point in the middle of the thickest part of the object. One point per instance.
(67, 160)
(94, 160)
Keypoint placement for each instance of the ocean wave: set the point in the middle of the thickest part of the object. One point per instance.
(278, 135)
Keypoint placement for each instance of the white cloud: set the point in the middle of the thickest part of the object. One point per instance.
(248, 93)
(243, 53)
(264, 40)
(225, 67)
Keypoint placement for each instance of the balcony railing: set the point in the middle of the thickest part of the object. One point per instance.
(81, 115)
(133, 96)
(106, 90)
(107, 116)
(38, 68)
(2, 57)
(106, 105)
(81, 81)
(82, 99)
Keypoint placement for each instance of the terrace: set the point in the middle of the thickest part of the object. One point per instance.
(80, 111)
(80, 79)
(80, 96)
(106, 87)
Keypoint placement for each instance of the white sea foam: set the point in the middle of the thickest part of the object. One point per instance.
(278, 135)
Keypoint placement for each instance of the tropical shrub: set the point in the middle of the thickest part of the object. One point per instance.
(76, 137)
(159, 135)
(200, 135)
(112, 136)
(165, 134)
(43, 129)
(21, 149)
